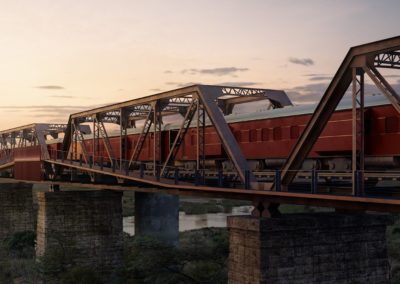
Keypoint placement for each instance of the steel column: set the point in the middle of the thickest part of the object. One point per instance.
(188, 117)
(123, 141)
(156, 135)
(358, 130)
(142, 137)
(200, 138)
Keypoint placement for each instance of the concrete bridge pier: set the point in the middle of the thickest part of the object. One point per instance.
(82, 227)
(309, 248)
(157, 215)
(16, 208)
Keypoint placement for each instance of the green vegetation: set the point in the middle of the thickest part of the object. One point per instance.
(393, 240)
(128, 203)
(17, 258)
(200, 258)
(81, 275)
(211, 206)
(189, 207)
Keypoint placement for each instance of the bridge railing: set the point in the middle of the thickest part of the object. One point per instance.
(6, 158)
(311, 181)
(142, 168)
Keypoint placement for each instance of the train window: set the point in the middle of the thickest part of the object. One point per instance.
(265, 134)
(391, 124)
(193, 140)
(277, 133)
(294, 132)
(253, 135)
(238, 136)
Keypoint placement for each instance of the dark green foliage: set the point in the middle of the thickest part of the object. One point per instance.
(200, 208)
(81, 275)
(128, 203)
(17, 258)
(211, 206)
(58, 260)
(200, 258)
(21, 244)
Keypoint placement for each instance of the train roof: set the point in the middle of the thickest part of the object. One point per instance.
(346, 103)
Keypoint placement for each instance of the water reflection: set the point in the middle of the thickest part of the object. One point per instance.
(191, 222)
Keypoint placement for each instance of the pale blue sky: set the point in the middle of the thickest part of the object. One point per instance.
(62, 56)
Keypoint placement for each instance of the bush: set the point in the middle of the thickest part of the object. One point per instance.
(81, 275)
(21, 244)
(201, 258)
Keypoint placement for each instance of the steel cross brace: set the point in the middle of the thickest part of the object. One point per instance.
(101, 131)
(358, 130)
(142, 137)
(388, 60)
(356, 57)
(208, 96)
(191, 110)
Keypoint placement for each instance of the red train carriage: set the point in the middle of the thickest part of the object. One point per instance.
(266, 138)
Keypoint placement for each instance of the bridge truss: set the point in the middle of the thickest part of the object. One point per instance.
(360, 60)
(87, 135)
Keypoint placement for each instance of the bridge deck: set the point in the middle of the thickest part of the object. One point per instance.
(199, 107)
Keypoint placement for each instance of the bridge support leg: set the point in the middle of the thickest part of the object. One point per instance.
(157, 215)
(83, 227)
(309, 248)
(16, 208)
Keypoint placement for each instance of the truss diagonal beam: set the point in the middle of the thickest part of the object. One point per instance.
(106, 141)
(356, 57)
(142, 137)
(384, 86)
(78, 137)
(191, 110)
(208, 96)
(40, 136)
(67, 136)
(388, 60)
(317, 122)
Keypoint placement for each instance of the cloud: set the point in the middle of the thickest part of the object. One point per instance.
(239, 84)
(301, 61)
(50, 87)
(318, 77)
(56, 114)
(308, 93)
(312, 93)
(62, 96)
(168, 72)
(181, 85)
(155, 90)
(230, 83)
(220, 71)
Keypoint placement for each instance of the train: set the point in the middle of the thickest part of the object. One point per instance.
(267, 137)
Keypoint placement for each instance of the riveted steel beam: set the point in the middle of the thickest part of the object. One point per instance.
(329, 102)
(208, 96)
(191, 110)
(389, 60)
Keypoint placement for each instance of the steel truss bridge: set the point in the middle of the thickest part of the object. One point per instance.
(24, 154)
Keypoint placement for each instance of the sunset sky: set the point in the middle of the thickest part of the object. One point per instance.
(60, 57)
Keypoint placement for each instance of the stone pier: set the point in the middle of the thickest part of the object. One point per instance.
(85, 227)
(309, 248)
(157, 215)
(16, 208)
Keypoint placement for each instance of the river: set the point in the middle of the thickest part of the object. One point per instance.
(194, 221)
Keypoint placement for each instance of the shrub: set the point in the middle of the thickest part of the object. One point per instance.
(81, 275)
(21, 244)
